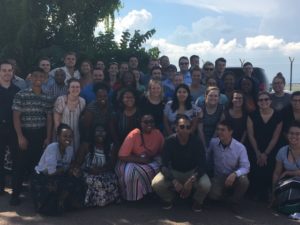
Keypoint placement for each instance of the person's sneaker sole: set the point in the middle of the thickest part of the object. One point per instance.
(167, 206)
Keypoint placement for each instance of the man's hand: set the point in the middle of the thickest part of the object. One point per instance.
(177, 185)
(187, 188)
(46, 142)
(230, 179)
(23, 143)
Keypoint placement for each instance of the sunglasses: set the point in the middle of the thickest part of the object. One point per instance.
(208, 69)
(264, 99)
(148, 121)
(187, 127)
(293, 133)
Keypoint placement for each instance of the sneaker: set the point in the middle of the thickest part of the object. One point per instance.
(167, 205)
(197, 207)
(15, 200)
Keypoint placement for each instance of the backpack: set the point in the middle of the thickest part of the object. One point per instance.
(287, 193)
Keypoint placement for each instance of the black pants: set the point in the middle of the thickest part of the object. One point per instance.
(8, 138)
(29, 158)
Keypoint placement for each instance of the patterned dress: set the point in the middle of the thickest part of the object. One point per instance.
(70, 117)
(102, 189)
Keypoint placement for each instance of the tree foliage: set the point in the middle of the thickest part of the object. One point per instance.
(34, 28)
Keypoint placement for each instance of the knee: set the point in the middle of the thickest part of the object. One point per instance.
(243, 181)
(158, 182)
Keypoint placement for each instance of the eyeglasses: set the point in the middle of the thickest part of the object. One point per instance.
(184, 63)
(208, 69)
(148, 121)
(264, 99)
(187, 127)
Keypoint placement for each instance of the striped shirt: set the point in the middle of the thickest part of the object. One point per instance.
(34, 108)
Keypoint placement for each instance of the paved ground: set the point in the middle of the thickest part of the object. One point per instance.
(145, 212)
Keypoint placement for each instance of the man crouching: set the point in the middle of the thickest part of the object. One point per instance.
(183, 167)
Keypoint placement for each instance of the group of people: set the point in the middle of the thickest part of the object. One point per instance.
(94, 136)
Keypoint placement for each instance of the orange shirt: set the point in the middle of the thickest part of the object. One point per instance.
(132, 144)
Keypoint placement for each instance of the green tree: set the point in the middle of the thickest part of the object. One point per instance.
(31, 28)
(34, 28)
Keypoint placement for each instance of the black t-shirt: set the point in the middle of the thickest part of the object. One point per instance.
(184, 158)
(6, 100)
(157, 111)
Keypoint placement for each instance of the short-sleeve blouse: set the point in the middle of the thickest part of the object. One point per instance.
(171, 115)
(282, 156)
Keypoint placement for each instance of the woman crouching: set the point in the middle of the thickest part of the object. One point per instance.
(99, 176)
(53, 189)
(138, 163)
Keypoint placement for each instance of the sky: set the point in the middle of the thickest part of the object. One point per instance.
(264, 32)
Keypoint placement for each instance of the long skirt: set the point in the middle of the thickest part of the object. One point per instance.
(135, 179)
(52, 195)
(102, 189)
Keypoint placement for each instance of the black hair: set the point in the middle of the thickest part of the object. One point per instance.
(230, 104)
(155, 68)
(100, 86)
(279, 76)
(247, 64)
(183, 57)
(72, 80)
(38, 69)
(123, 92)
(295, 123)
(220, 60)
(295, 93)
(227, 124)
(194, 57)
(5, 62)
(62, 126)
(183, 117)
(188, 101)
(44, 58)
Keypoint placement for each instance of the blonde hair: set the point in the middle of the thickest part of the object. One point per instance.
(152, 82)
(211, 88)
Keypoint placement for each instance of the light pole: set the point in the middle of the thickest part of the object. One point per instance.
(291, 71)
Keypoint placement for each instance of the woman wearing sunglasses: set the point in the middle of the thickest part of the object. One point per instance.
(138, 159)
(263, 128)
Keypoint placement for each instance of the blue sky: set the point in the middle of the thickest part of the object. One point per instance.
(264, 32)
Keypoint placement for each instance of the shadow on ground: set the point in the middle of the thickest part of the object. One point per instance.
(144, 212)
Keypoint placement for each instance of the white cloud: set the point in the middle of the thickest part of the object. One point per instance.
(207, 28)
(267, 52)
(277, 17)
(134, 20)
(247, 8)
(265, 42)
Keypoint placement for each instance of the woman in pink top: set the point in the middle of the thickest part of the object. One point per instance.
(138, 159)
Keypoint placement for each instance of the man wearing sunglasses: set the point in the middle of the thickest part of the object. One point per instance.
(183, 168)
(184, 69)
(230, 167)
